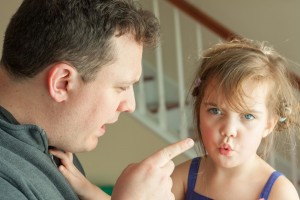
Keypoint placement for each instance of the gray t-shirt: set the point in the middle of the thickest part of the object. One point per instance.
(27, 170)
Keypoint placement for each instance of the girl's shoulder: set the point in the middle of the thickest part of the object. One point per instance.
(185, 165)
(283, 189)
(181, 171)
(180, 179)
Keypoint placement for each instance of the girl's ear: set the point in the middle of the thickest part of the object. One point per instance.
(270, 126)
(61, 78)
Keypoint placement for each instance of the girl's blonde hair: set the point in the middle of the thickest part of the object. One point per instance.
(230, 64)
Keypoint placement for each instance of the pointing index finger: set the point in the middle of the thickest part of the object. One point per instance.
(163, 156)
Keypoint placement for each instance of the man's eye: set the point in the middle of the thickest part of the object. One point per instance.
(124, 88)
(249, 116)
(215, 111)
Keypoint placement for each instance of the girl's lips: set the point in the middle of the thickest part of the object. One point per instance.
(225, 149)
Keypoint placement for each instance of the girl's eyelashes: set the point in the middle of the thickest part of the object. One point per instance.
(215, 111)
(248, 116)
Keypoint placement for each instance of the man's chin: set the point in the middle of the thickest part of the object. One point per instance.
(92, 145)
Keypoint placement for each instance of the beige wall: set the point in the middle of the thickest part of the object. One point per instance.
(125, 142)
(7, 8)
(276, 21)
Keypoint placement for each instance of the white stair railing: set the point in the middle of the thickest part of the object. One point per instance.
(180, 72)
(160, 78)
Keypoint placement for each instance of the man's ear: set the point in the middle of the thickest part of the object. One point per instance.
(61, 77)
(272, 122)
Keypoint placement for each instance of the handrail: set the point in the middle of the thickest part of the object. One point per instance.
(214, 26)
(204, 19)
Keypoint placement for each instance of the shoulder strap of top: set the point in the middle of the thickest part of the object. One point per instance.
(193, 173)
(267, 189)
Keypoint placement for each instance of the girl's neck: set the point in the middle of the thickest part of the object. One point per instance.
(212, 170)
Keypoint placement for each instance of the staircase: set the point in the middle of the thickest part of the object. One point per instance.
(158, 107)
(162, 93)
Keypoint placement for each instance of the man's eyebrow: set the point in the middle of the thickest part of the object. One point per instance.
(132, 82)
(136, 81)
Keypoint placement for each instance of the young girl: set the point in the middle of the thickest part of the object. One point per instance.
(243, 99)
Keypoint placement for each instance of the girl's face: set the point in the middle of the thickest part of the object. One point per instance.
(231, 137)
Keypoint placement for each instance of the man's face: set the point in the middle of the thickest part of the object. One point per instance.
(100, 102)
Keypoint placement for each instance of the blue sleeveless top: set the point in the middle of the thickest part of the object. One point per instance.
(193, 173)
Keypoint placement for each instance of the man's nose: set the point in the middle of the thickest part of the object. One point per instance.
(128, 104)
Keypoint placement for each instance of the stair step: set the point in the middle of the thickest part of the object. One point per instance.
(153, 108)
(149, 78)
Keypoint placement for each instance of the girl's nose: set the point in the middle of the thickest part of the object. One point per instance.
(229, 128)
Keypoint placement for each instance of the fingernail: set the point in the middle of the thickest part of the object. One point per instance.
(190, 142)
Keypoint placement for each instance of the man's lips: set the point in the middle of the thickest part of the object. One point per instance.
(112, 121)
(102, 129)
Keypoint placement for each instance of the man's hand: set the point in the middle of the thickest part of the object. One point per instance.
(150, 179)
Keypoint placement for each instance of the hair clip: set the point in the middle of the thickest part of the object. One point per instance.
(282, 119)
(287, 111)
(197, 83)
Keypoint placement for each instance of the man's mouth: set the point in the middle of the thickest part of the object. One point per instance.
(102, 129)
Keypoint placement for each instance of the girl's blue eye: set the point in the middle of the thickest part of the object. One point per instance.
(248, 116)
(215, 111)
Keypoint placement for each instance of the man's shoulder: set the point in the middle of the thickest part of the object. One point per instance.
(10, 192)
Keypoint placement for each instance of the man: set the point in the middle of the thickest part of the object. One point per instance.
(67, 70)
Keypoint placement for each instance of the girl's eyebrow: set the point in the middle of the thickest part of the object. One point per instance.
(253, 111)
(210, 104)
